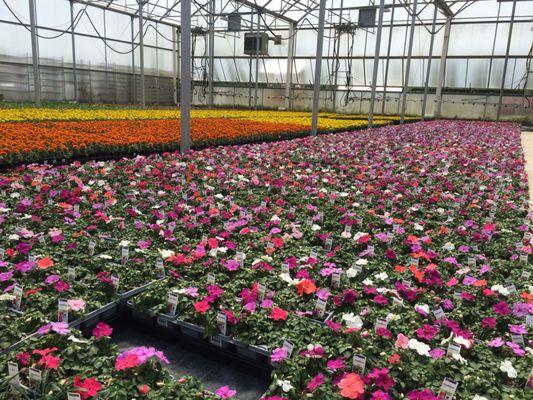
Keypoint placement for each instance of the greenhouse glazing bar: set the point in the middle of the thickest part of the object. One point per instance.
(430, 58)
(185, 78)
(376, 63)
(408, 65)
(35, 53)
(73, 41)
(318, 66)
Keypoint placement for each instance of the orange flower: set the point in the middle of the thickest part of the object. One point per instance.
(45, 263)
(351, 386)
(306, 286)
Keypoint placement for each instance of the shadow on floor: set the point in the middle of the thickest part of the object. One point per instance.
(212, 367)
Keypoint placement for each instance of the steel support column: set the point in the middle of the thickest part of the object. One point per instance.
(318, 66)
(288, 78)
(211, 51)
(185, 79)
(73, 41)
(336, 61)
(256, 86)
(35, 52)
(174, 66)
(408, 64)
(506, 62)
(376, 63)
(442, 67)
(141, 52)
(385, 78)
(133, 83)
(428, 71)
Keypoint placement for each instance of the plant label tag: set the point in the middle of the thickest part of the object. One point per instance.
(115, 282)
(292, 210)
(42, 239)
(518, 339)
(471, 261)
(328, 244)
(2, 252)
(31, 257)
(475, 247)
(160, 268)
(270, 246)
(523, 258)
(525, 275)
(71, 274)
(313, 254)
(92, 246)
(125, 255)
(62, 311)
(529, 320)
(17, 292)
(222, 323)
(211, 279)
(204, 238)
(35, 377)
(370, 249)
(447, 389)
(381, 323)
(347, 229)
(77, 208)
(320, 216)
(453, 348)
(261, 291)
(289, 346)
(320, 308)
(359, 363)
(239, 256)
(336, 280)
(172, 303)
(285, 268)
(529, 382)
(357, 268)
(439, 313)
(510, 287)
(73, 396)
(13, 374)
(414, 261)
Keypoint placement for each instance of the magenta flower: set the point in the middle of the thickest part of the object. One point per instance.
(496, 342)
(437, 353)
(101, 329)
(60, 328)
(518, 329)
(427, 332)
(232, 265)
(501, 308)
(225, 392)
(315, 382)
(425, 394)
(336, 364)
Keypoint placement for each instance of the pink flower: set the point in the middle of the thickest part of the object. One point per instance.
(315, 382)
(427, 332)
(202, 306)
(402, 341)
(425, 394)
(76, 304)
(138, 356)
(279, 354)
(225, 392)
(334, 365)
(497, 342)
(62, 286)
(60, 328)
(501, 308)
(518, 329)
(232, 265)
(101, 329)
(437, 353)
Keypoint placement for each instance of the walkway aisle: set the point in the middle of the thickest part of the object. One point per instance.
(527, 144)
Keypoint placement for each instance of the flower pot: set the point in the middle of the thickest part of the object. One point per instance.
(190, 330)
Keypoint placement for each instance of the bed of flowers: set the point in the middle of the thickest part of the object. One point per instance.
(376, 265)
(30, 135)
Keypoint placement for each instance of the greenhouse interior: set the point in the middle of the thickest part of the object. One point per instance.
(266, 199)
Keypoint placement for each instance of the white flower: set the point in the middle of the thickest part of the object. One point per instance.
(458, 357)
(124, 243)
(392, 317)
(362, 261)
(7, 297)
(423, 307)
(74, 339)
(449, 246)
(346, 235)
(287, 278)
(105, 256)
(219, 196)
(420, 347)
(352, 321)
(418, 227)
(166, 254)
(351, 272)
(507, 367)
(274, 218)
(284, 385)
(462, 341)
(478, 397)
(368, 282)
(500, 289)
(315, 227)
(14, 237)
(382, 276)
(14, 195)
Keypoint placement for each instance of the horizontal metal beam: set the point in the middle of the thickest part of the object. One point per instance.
(443, 6)
(264, 10)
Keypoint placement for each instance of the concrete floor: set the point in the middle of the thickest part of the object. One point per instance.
(527, 144)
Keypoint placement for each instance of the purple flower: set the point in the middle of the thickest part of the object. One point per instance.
(5, 276)
(51, 279)
(323, 294)
(437, 353)
(519, 329)
(497, 342)
(60, 328)
(521, 310)
(232, 265)
(225, 392)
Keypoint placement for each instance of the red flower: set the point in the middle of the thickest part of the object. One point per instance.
(278, 314)
(128, 361)
(306, 286)
(144, 389)
(44, 352)
(101, 330)
(87, 387)
(394, 359)
(49, 362)
(23, 358)
(202, 306)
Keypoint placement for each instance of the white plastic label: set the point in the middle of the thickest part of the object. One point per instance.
(261, 290)
(320, 308)
(172, 303)
(439, 313)
(381, 323)
(62, 310)
(211, 279)
(13, 373)
(359, 363)
(71, 274)
(289, 346)
(73, 396)
(453, 348)
(160, 268)
(328, 244)
(115, 282)
(222, 323)
(92, 246)
(35, 377)
(447, 389)
(336, 280)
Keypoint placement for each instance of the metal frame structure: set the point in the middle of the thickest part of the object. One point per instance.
(285, 19)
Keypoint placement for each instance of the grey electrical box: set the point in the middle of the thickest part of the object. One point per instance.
(256, 43)
(367, 17)
(234, 22)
